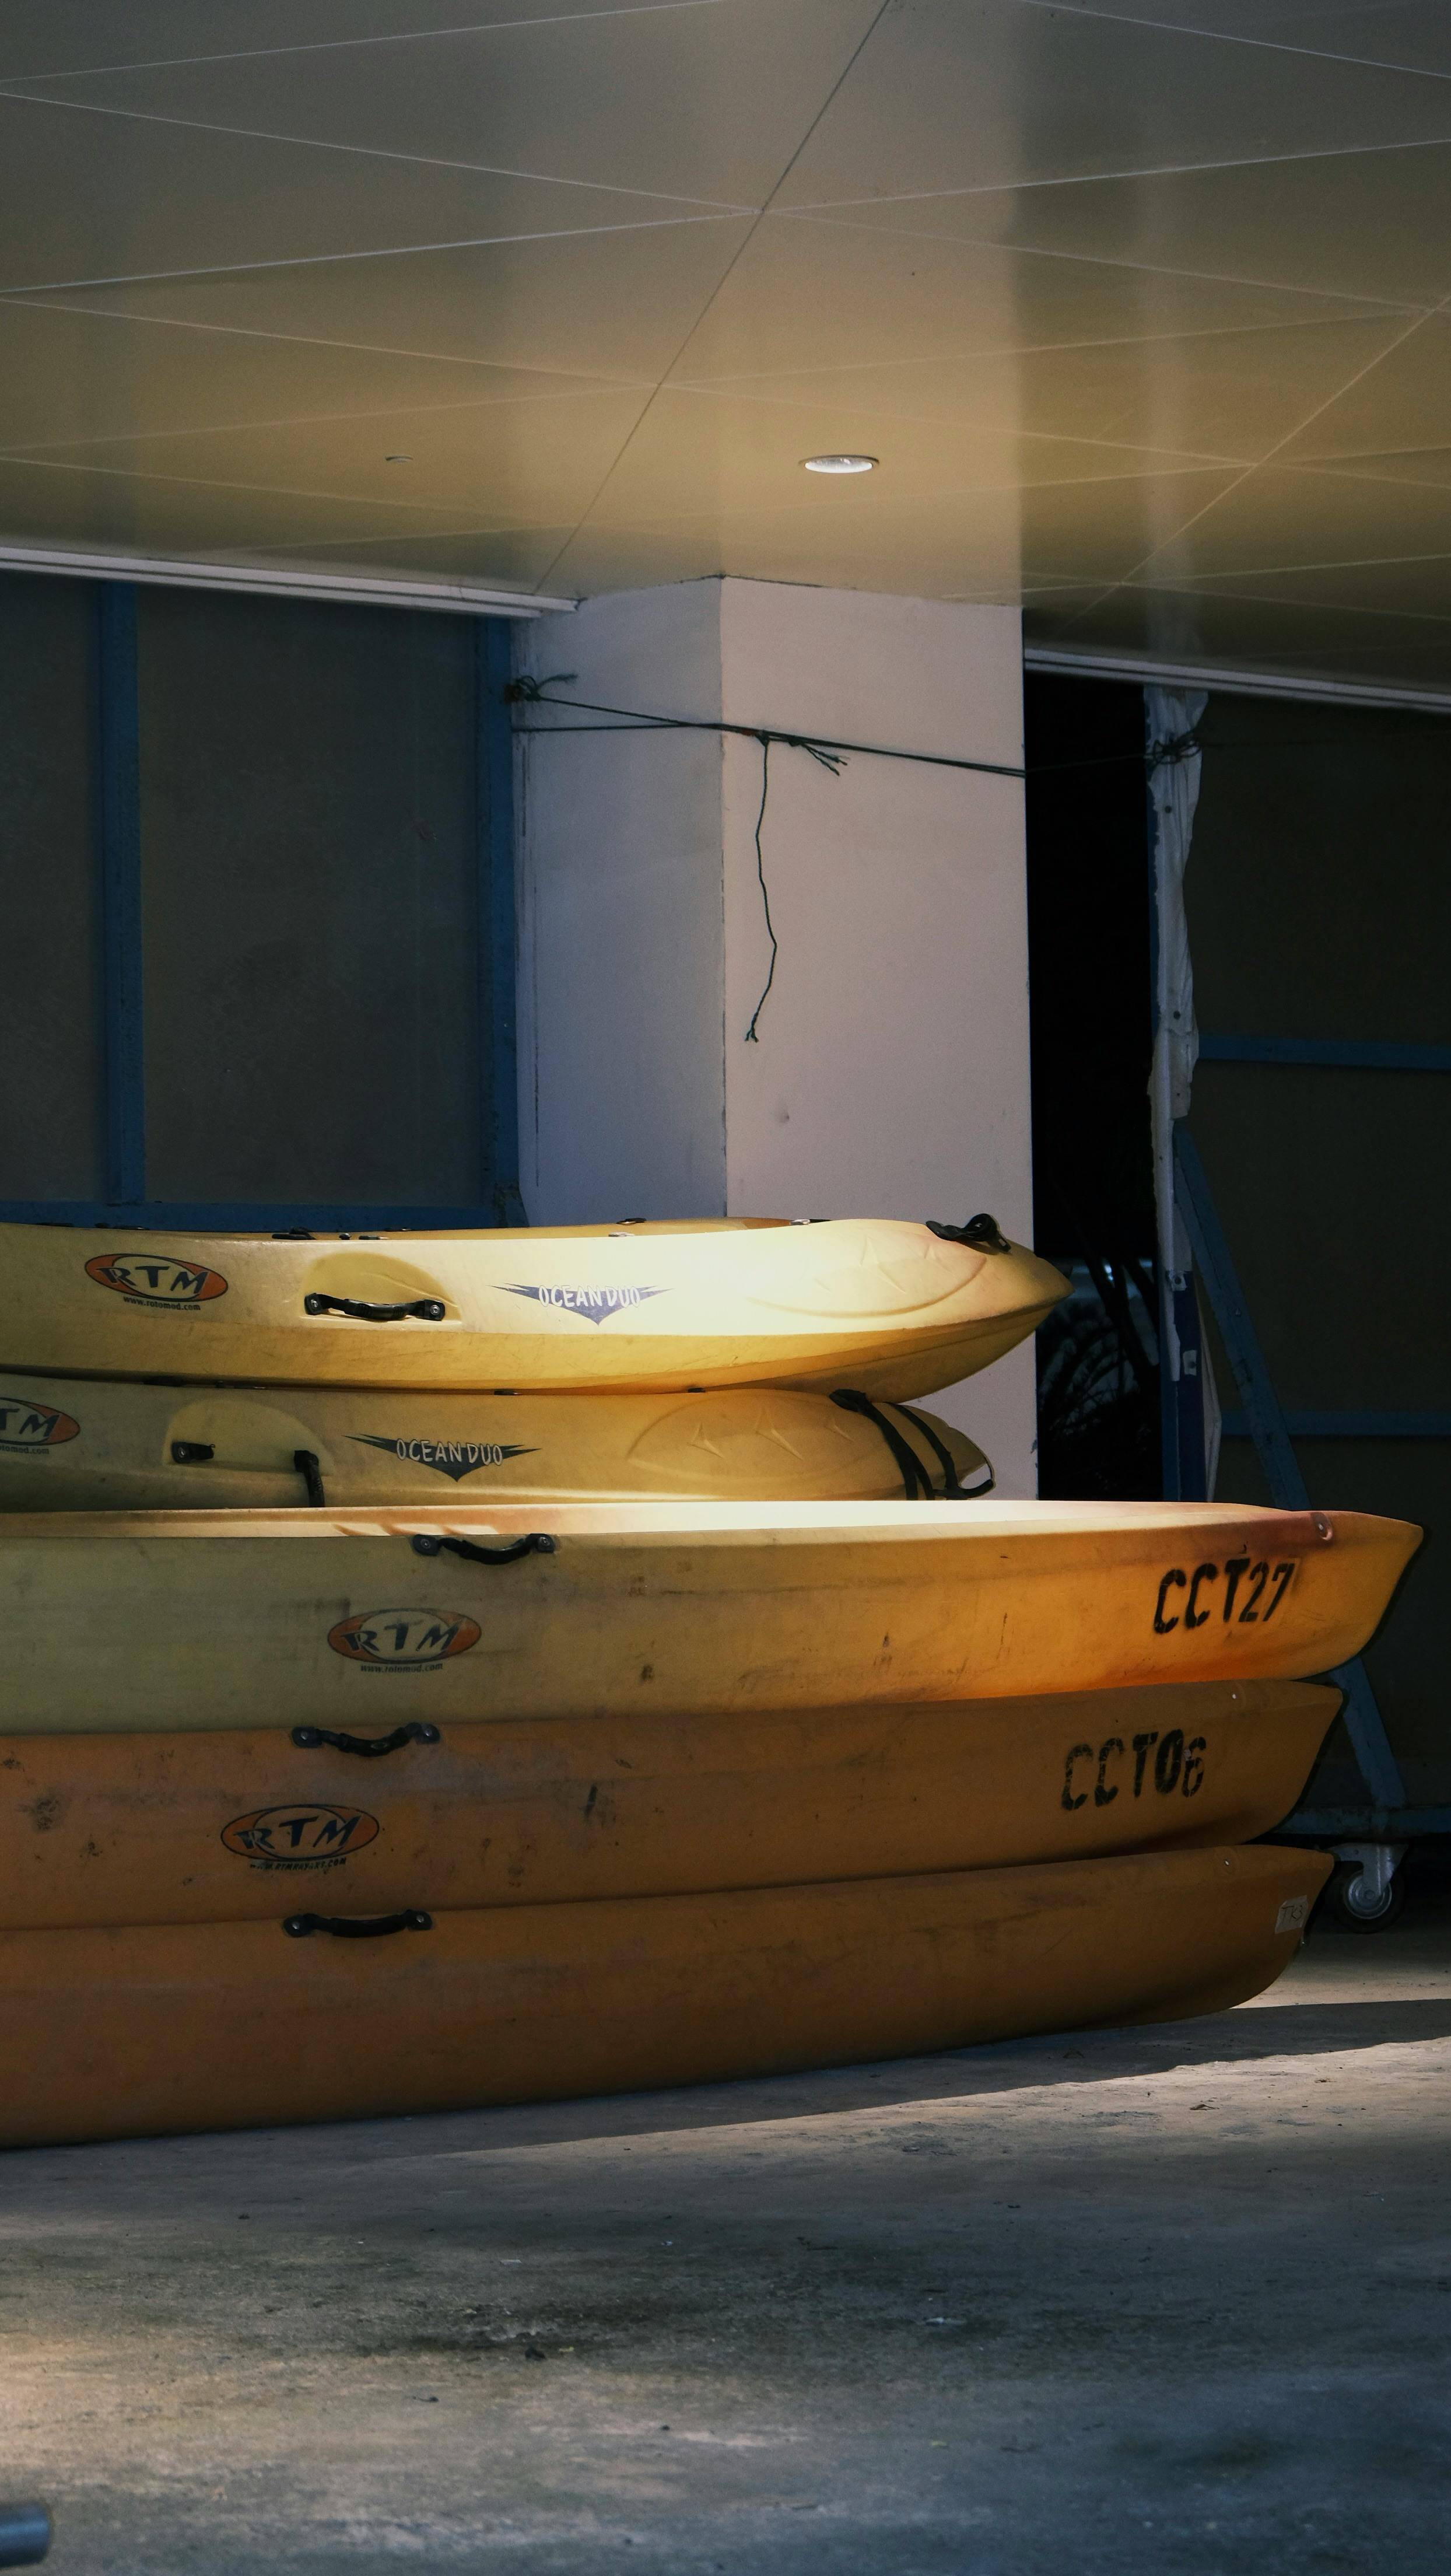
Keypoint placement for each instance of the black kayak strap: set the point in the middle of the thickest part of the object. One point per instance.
(915, 1480)
(952, 1491)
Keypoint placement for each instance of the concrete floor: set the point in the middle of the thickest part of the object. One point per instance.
(1173, 2300)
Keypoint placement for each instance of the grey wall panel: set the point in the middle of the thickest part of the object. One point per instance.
(1320, 907)
(50, 1021)
(310, 875)
(1319, 892)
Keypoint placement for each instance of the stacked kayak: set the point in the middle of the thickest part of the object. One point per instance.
(249, 1824)
(453, 1669)
(227, 2025)
(361, 1619)
(886, 1307)
(84, 1444)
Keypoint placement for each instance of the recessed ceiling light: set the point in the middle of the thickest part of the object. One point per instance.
(839, 464)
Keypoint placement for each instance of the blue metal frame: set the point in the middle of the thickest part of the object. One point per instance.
(117, 808)
(1347, 1824)
(1272, 1430)
(1270, 1434)
(1349, 1055)
(1350, 1426)
(238, 1216)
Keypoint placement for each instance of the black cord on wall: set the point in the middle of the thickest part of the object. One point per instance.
(832, 755)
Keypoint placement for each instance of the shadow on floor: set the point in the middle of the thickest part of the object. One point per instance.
(263, 2160)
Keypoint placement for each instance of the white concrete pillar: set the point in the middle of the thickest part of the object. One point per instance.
(889, 1074)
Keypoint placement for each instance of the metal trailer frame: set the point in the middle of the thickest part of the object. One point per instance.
(1369, 1841)
(1368, 1838)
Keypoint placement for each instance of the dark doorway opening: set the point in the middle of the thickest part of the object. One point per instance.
(1090, 970)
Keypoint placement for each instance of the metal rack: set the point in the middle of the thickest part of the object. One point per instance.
(1370, 1840)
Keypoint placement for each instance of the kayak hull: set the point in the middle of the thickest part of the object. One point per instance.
(94, 1444)
(124, 2033)
(879, 1304)
(136, 1829)
(360, 1620)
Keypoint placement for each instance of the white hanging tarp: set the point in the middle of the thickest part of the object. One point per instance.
(1174, 766)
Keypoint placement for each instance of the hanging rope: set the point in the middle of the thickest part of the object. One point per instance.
(751, 1037)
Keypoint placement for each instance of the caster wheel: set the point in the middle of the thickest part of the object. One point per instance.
(1355, 1904)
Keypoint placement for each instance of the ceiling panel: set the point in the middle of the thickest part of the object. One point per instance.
(61, 36)
(808, 293)
(515, 558)
(1417, 587)
(706, 103)
(1415, 35)
(1227, 394)
(1395, 410)
(54, 504)
(1408, 465)
(615, 304)
(91, 197)
(1375, 225)
(489, 461)
(1136, 304)
(69, 374)
(993, 94)
(1268, 634)
(1280, 517)
(943, 537)
(723, 454)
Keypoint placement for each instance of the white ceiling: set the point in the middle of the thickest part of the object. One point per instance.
(1146, 309)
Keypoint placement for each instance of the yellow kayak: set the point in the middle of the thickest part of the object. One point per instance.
(358, 1620)
(118, 1444)
(891, 1308)
(115, 1829)
(113, 2034)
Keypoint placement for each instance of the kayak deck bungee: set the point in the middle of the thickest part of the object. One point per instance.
(117, 1829)
(89, 1444)
(358, 1620)
(111, 2034)
(891, 1308)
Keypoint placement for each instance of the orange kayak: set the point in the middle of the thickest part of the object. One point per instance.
(114, 2034)
(192, 1828)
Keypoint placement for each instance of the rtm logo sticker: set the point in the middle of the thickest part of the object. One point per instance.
(1241, 1599)
(302, 1837)
(156, 1279)
(1176, 1766)
(28, 1425)
(403, 1641)
(596, 1305)
(452, 1458)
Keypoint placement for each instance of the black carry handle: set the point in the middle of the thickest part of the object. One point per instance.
(358, 1927)
(24, 2534)
(980, 1234)
(538, 1543)
(416, 1732)
(429, 1310)
(199, 1453)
